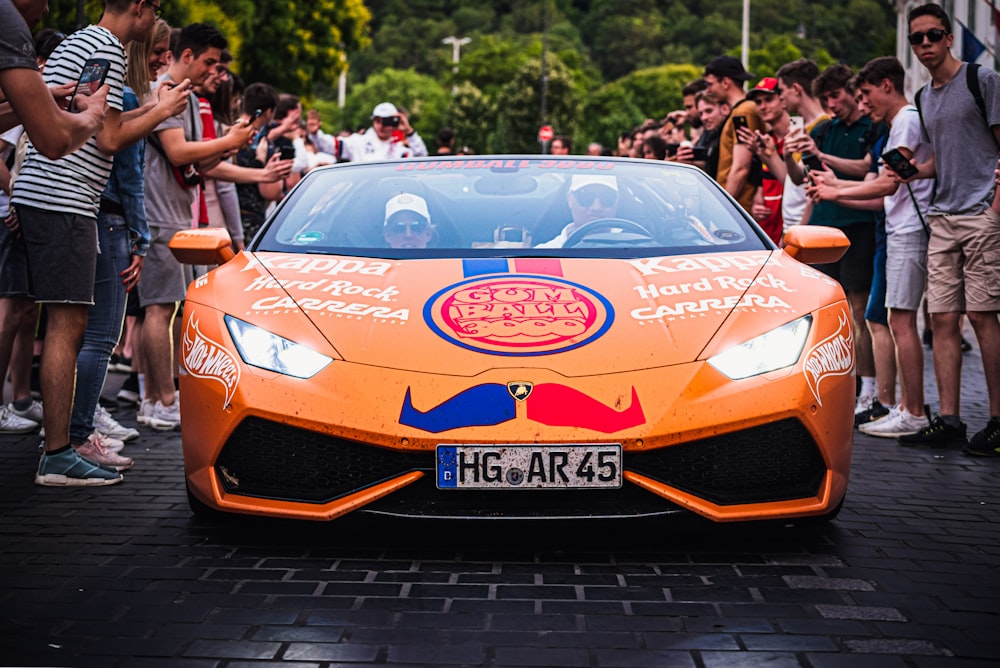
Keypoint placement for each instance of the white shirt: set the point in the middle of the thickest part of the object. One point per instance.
(369, 148)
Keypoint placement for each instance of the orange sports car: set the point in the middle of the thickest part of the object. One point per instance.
(516, 337)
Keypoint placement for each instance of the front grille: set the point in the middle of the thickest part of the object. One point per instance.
(276, 461)
(772, 462)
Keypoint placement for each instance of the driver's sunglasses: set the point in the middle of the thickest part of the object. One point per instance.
(586, 195)
(935, 35)
(400, 227)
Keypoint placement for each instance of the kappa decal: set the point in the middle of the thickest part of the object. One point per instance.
(204, 358)
(518, 315)
(833, 356)
(714, 262)
(325, 266)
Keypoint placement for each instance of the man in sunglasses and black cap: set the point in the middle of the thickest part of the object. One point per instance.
(390, 137)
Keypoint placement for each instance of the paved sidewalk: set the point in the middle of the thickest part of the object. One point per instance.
(908, 576)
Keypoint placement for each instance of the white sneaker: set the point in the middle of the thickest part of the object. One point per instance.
(32, 412)
(107, 425)
(11, 423)
(864, 403)
(165, 418)
(899, 422)
(143, 413)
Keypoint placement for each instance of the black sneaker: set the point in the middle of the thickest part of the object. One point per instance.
(874, 412)
(987, 442)
(937, 434)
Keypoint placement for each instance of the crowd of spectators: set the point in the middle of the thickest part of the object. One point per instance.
(170, 138)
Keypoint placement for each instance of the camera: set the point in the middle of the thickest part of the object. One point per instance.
(287, 152)
(391, 121)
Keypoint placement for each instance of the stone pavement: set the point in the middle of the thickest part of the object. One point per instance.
(907, 576)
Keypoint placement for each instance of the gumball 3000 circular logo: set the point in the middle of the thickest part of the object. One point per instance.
(518, 315)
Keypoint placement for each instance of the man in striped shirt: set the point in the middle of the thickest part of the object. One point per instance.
(57, 204)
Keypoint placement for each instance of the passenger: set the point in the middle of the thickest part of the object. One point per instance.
(407, 222)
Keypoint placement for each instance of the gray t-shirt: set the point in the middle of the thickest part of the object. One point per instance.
(965, 152)
(168, 204)
(17, 47)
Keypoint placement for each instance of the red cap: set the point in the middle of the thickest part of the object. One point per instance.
(765, 85)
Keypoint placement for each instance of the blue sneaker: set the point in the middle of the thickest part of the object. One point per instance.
(69, 469)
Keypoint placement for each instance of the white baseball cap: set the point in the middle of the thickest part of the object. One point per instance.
(407, 202)
(580, 180)
(385, 110)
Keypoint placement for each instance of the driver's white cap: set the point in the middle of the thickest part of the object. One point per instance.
(407, 202)
(580, 180)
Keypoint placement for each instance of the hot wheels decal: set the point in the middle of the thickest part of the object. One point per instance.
(518, 315)
(204, 358)
(833, 356)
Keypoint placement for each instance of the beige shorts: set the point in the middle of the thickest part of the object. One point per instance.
(963, 263)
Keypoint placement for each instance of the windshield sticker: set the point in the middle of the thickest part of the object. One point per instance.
(518, 315)
(308, 238)
(204, 358)
(550, 404)
(508, 164)
(831, 357)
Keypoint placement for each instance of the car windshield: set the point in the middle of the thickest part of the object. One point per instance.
(509, 206)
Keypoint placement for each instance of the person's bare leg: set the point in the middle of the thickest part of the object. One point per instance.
(884, 354)
(947, 361)
(910, 359)
(158, 349)
(63, 336)
(987, 327)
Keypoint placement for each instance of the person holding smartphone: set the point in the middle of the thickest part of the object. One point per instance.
(726, 78)
(390, 137)
(880, 84)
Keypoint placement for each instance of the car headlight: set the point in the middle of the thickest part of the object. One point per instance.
(259, 347)
(776, 349)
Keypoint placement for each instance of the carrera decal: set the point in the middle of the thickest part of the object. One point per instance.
(718, 304)
(204, 358)
(561, 406)
(321, 307)
(518, 315)
(831, 357)
(550, 404)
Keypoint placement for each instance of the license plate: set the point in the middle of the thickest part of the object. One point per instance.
(588, 465)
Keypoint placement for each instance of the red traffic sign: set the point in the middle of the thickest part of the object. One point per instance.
(546, 133)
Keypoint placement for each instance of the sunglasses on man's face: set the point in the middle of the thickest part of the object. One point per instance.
(586, 195)
(935, 35)
(400, 227)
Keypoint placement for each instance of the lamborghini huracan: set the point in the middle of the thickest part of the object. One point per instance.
(516, 337)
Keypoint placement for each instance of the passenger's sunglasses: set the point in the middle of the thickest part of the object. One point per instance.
(400, 227)
(587, 194)
(935, 35)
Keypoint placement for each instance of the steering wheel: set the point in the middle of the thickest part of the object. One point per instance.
(604, 223)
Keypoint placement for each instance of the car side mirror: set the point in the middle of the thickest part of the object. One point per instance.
(208, 246)
(815, 244)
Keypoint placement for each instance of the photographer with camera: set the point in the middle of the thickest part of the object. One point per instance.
(390, 137)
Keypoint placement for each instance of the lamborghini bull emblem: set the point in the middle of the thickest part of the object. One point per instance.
(520, 390)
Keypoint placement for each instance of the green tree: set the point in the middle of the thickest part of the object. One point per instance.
(657, 90)
(606, 113)
(296, 45)
(518, 107)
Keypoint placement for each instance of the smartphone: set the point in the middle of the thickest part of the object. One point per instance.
(740, 122)
(672, 149)
(898, 163)
(256, 114)
(95, 71)
(287, 152)
(812, 162)
(796, 124)
(700, 153)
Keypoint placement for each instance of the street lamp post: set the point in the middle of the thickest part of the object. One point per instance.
(456, 48)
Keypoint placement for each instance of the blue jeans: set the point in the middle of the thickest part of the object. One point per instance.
(104, 323)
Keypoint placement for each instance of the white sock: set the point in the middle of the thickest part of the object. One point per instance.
(868, 387)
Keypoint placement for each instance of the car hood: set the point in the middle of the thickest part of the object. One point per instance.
(575, 316)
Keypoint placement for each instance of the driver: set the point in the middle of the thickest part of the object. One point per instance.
(407, 222)
(591, 197)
